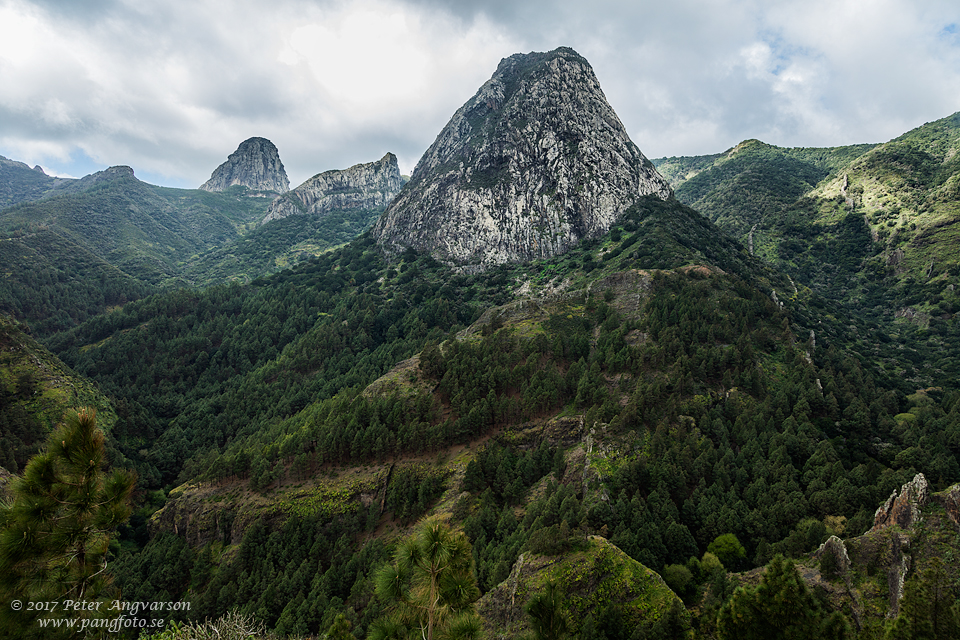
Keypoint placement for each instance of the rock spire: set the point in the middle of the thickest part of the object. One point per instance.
(255, 165)
(536, 161)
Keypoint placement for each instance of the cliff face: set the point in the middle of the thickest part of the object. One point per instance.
(363, 186)
(912, 531)
(536, 161)
(903, 510)
(255, 165)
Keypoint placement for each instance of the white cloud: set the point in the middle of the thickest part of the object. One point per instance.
(171, 87)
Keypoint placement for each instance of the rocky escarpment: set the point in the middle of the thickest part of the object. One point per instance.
(364, 186)
(866, 575)
(255, 165)
(903, 510)
(536, 161)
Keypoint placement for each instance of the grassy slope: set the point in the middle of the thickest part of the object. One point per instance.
(36, 389)
(872, 227)
(278, 245)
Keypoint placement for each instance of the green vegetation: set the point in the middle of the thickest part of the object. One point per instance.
(20, 183)
(781, 606)
(36, 389)
(430, 587)
(65, 285)
(545, 609)
(55, 534)
(656, 401)
(126, 222)
(753, 181)
(871, 227)
(712, 419)
(278, 245)
(95, 244)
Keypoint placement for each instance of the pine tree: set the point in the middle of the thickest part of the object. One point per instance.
(56, 531)
(781, 606)
(925, 609)
(340, 629)
(546, 614)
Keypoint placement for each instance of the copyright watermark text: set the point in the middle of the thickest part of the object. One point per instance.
(111, 616)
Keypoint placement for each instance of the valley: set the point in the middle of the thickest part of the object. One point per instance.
(688, 397)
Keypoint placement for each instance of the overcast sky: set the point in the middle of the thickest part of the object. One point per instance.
(171, 87)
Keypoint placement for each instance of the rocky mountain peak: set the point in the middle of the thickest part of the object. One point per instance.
(255, 165)
(536, 161)
(903, 510)
(363, 186)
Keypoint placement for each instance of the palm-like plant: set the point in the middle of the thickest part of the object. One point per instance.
(431, 587)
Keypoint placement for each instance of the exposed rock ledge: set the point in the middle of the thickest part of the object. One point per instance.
(903, 510)
(363, 186)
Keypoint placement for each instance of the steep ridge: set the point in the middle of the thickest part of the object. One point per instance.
(255, 165)
(143, 230)
(535, 162)
(747, 185)
(872, 227)
(20, 183)
(910, 545)
(328, 210)
(363, 186)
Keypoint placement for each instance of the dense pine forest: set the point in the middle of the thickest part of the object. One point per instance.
(680, 429)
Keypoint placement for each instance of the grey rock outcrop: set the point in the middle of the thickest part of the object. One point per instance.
(255, 165)
(835, 546)
(903, 510)
(364, 186)
(536, 161)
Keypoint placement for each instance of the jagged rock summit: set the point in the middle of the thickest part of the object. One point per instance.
(363, 186)
(903, 510)
(536, 161)
(255, 165)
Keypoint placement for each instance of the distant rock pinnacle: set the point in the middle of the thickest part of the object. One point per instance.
(363, 186)
(255, 165)
(536, 161)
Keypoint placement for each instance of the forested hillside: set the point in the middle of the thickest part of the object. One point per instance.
(627, 393)
(133, 225)
(20, 183)
(36, 388)
(753, 181)
(75, 249)
(278, 245)
(866, 226)
(668, 431)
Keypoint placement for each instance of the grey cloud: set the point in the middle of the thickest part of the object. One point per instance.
(173, 86)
